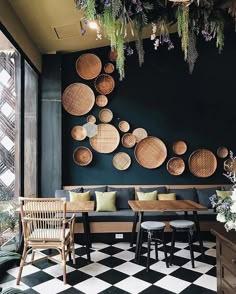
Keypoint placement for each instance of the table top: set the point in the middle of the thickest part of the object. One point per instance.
(80, 206)
(165, 205)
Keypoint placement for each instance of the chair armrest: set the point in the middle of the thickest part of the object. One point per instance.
(70, 220)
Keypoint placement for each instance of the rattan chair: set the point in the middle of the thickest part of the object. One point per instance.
(45, 227)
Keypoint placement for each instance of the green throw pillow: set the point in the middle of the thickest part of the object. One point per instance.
(74, 196)
(106, 201)
(223, 194)
(147, 196)
(168, 196)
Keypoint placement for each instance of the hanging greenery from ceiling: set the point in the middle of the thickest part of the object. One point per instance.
(193, 18)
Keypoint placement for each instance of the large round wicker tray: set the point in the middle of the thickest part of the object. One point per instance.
(78, 99)
(202, 163)
(106, 140)
(150, 152)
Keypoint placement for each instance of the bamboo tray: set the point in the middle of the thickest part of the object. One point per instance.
(175, 166)
(140, 134)
(179, 147)
(124, 126)
(91, 118)
(222, 152)
(101, 100)
(82, 156)
(121, 161)
(202, 163)
(112, 55)
(88, 66)
(78, 133)
(105, 115)
(109, 68)
(106, 140)
(104, 84)
(150, 152)
(128, 140)
(78, 99)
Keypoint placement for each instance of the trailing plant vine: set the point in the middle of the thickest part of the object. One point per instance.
(118, 18)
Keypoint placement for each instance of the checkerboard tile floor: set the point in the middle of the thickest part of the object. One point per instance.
(113, 270)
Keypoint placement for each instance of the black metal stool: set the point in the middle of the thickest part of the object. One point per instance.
(182, 226)
(153, 229)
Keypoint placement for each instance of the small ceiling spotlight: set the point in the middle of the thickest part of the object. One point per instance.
(93, 25)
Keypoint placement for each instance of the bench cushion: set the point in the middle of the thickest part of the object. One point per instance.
(204, 194)
(161, 189)
(92, 191)
(66, 194)
(122, 196)
(185, 194)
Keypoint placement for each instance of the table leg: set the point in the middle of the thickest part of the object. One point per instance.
(134, 229)
(138, 236)
(86, 234)
(196, 221)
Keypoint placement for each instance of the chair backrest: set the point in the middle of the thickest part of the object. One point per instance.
(43, 219)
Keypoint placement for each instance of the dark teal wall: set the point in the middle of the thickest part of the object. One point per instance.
(169, 103)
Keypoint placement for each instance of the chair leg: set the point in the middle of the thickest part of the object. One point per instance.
(156, 250)
(164, 247)
(32, 256)
(149, 249)
(64, 264)
(191, 248)
(140, 246)
(22, 263)
(172, 246)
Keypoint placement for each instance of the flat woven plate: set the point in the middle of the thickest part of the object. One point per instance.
(101, 100)
(88, 66)
(78, 99)
(128, 140)
(202, 163)
(109, 68)
(124, 126)
(222, 152)
(82, 156)
(121, 161)
(106, 140)
(91, 118)
(179, 147)
(112, 55)
(175, 166)
(140, 134)
(78, 133)
(105, 115)
(150, 152)
(104, 84)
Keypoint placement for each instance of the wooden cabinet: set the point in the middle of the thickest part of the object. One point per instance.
(226, 261)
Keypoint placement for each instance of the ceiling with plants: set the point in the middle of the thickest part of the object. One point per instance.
(206, 19)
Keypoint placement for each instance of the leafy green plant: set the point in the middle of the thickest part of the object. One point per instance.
(117, 18)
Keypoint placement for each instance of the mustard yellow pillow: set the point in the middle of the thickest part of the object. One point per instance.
(106, 201)
(147, 196)
(74, 196)
(168, 196)
(223, 194)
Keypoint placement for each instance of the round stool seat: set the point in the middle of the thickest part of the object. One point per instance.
(151, 225)
(181, 224)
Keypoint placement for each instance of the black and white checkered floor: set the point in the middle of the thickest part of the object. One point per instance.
(113, 270)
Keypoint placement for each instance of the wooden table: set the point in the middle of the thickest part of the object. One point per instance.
(139, 207)
(83, 207)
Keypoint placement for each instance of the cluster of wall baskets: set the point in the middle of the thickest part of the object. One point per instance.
(150, 152)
